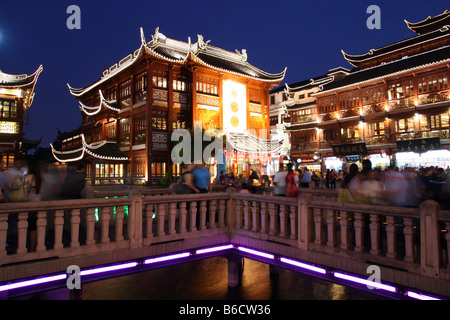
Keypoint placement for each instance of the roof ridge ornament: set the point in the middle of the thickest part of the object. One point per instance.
(243, 55)
(201, 43)
(143, 40)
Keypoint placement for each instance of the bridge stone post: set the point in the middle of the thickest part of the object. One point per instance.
(235, 269)
(305, 221)
(429, 239)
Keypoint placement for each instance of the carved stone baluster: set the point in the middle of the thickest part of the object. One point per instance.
(41, 226)
(293, 217)
(359, 232)
(90, 227)
(22, 230)
(119, 223)
(331, 227)
(149, 221)
(374, 234)
(408, 231)
(345, 230)
(161, 214)
(183, 217)
(283, 221)
(105, 218)
(172, 218)
(264, 218)
(391, 238)
(246, 214)
(3, 234)
(193, 216)
(255, 216)
(75, 228)
(273, 216)
(203, 210)
(238, 214)
(59, 225)
(318, 221)
(222, 208)
(212, 213)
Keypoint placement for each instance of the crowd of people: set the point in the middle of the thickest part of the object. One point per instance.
(32, 180)
(406, 187)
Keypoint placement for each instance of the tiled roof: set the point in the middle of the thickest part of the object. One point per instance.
(412, 62)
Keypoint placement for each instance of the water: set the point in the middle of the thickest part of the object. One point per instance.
(208, 280)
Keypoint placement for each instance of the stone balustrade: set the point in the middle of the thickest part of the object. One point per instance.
(410, 243)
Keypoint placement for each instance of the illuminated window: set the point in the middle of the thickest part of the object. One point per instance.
(140, 124)
(180, 121)
(431, 83)
(139, 167)
(180, 82)
(125, 93)
(110, 129)
(207, 85)
(8, 109)
(140, 84)
(160, 79)
(159, 120)
(375, 129)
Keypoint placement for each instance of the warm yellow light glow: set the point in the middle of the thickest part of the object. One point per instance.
(9, 127)
(234, 107)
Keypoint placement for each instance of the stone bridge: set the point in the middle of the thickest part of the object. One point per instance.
(126, 231)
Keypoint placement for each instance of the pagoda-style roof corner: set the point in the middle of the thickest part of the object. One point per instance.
(20, 81)
(430, 24)
(353, 59)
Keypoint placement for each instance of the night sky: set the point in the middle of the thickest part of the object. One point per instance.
(305, 36)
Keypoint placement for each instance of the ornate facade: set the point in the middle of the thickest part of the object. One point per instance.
(392, 107)
(165, 85)
(16, 96)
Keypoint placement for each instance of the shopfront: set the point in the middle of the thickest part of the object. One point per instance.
(436, 158)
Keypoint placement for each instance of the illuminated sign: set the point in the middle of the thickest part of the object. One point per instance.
(9, 127)
(419, 145)
(234, 107)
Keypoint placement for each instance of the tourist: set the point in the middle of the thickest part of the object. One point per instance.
(291, 185)
(279, 181)
(244, 188)
(34, 182)
(74, 182)
(306, 178)
(252, 181)
(202, 178)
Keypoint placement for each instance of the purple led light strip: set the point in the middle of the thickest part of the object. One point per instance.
(420, 296)
(365, 281)
(129, 265)
(214, 249)
(33, 282)
(304, 265)
(257, 253)
(168, 258)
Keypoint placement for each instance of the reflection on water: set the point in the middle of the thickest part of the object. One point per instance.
(208, 280)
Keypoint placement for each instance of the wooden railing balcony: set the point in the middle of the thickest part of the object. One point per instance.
(399, 104)
(434, 97)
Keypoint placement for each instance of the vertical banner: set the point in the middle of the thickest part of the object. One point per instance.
(234, 107)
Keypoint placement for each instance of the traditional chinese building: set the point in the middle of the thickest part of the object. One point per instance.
(130, 113)
(392, 107)
(16, 96)
(293, 112)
